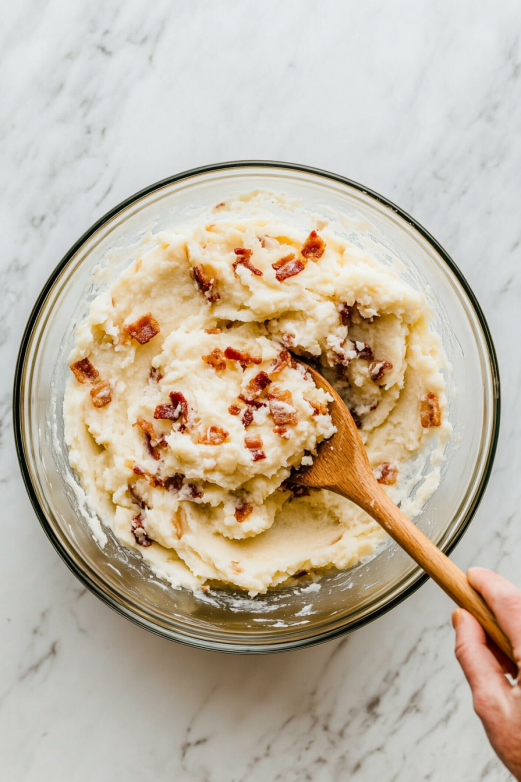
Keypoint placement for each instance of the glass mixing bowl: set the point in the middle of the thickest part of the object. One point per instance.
(287, 618)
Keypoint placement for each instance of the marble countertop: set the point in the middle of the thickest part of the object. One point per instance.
(419, 101)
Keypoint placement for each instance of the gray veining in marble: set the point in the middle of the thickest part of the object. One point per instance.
(418, 100)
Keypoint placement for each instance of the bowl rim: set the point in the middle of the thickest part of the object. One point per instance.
(324, 635)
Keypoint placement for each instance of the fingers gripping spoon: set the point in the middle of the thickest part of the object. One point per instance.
(342, 466)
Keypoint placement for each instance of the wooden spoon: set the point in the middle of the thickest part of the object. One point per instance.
(342, 466)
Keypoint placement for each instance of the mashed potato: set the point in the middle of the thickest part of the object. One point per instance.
(186, 410)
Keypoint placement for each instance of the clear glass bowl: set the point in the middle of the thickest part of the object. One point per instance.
(287, 618)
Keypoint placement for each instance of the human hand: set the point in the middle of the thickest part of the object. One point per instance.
(496, 702)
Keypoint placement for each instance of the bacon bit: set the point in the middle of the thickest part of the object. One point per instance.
(167, 412)
(319, 408)
(143, 329)
(138, 470)
(255, 387)
(84, 372)
(247, 418)
(243, 511)
(286, 267)
(152, 450)
(282, 431)
(175, 483)
(155, 375)
(212, 435)
(234, 410)
(243, 357)
(195, 493)
(162, 444)
(281, 362)
(178, 400)
(255, 403)
(346, 313)
(101, 394)
(363, 350)
(314, 247)
(244, 259)
(219, 206)
(253, 441)
(147, 427)
(288, 340)
(136, 497)
(205, 588)
(386, 473)
(212, 331)
(377, 369)
(138, 531)
(257, 455)
(216, 360)
(430, 413)
(281, 408)
(205, 284)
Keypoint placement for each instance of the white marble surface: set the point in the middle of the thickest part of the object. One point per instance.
(420, 101)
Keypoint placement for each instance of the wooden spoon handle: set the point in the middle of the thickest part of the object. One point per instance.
(439, 567)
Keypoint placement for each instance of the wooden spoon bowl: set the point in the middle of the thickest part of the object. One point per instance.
(342, 466)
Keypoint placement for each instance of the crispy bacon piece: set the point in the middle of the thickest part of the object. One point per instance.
(137, 469)
(247, 418)
(179, 401)
(346, 313)
(212, 435)
(205, 284)
(386, 473)
(220, 205)
(167, 413)
(363, 350)
(242, 511)
(319, 408)
(234, 410)
(378, 368)
(174, 483)
(255, 403)
(136, 497)
(155, 375)
(194, 491)
(286, 267)
(143, 329)
(281, 407)
(84, 372)
(216, 359)
(255, 388)
(243, 357)
(253, 441)
(430, 413)
(153, 450)
(101, 394)
(282, 431)
(138, 531)
(281, 362)
(212, 331)
(254, 444)
(147, 427)
(243, 258)
(313, 248)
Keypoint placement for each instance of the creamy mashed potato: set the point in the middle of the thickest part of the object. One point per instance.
(186, 410)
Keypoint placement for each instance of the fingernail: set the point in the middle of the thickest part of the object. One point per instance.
(456, 616)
